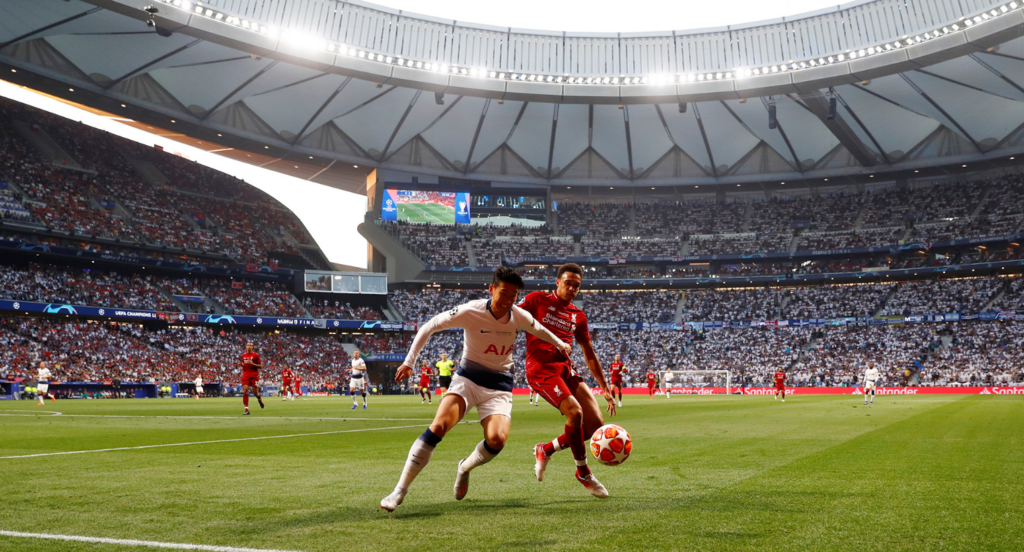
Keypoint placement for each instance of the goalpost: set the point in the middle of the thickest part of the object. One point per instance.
(694, 378)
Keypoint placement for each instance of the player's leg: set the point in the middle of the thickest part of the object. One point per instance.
(245, 396)
(363, 393)
(496, 424)
(352, 391)
(256, 391)
(872, 394)
(449, 412)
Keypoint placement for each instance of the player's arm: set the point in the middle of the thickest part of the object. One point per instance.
(443, 321)
(595, 368)
(537, 329)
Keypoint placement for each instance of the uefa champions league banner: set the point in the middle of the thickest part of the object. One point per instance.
(389, 205)
(462, 208)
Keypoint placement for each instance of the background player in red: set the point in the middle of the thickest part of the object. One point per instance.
(298, 385)
(286, 384)
(251, 364)
(551, 373)
(780, 384)
(652, 383)
(616, 370)
(425, 373)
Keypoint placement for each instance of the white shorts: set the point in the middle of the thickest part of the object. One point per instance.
(199, 389)
(42, 387)
(869, 385)
(487, 401)
(358, 383)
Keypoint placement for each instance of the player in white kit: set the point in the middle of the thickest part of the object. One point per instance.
(43, 383)
(199, 387)
(358, 379)
(870, 379)
(483, 379)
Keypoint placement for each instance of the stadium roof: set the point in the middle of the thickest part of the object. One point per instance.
(915, 84)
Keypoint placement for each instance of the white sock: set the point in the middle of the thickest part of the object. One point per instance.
(481, 455)
(419, 455)
(354, 401)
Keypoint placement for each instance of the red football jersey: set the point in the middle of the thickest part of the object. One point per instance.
(780, 378)
(652, 380)
(617, 369)
(425, 372)
(286, 375)
(250, 361)
(563, 319)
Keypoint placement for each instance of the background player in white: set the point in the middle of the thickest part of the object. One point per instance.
(484, 378)
(870, 379)
(534, 397)
(669, 379)
(357, 383)
(199, 386)
(43, 383)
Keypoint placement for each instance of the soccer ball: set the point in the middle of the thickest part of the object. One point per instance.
(611, 445)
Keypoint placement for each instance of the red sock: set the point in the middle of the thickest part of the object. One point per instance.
(579, 449)
(562, 441)
(245, 400)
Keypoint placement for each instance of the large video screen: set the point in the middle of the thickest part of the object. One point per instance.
(423, 206)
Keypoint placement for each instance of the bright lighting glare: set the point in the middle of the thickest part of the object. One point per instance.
(330, 215)
(605, 16)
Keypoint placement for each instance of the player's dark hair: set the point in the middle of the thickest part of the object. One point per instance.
(569, 267)
(504, 274)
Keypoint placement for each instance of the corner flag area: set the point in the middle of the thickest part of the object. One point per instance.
(706, 473)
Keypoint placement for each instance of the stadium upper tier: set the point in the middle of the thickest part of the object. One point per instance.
(876, 87)
(59, 175)
(886, 217)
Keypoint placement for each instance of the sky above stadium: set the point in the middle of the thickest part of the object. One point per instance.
(330, 215)
(606, 16)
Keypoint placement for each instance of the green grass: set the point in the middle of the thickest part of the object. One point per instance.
(426, 212)
(707, 473)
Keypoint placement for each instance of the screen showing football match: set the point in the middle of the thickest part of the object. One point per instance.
(425, 206)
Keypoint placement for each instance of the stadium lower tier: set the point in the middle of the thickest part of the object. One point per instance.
(959, 353)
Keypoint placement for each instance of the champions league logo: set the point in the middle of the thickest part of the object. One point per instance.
(462, 208)
(389, 205)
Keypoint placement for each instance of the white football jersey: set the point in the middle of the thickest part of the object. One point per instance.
(44, 374)
(199, 381)
(358, 365)
(488, 343)
(871, 375)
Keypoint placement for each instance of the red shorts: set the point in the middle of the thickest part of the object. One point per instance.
(424, 382)
(781, 386)
(617, 382)
(286, 384)
(553, 381)
(250, 378)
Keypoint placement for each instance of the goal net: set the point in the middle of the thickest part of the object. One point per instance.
(697, 382)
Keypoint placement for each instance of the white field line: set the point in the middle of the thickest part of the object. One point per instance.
(132, 542)
(209, 442)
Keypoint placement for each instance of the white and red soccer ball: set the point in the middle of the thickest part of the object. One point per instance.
(611, 445)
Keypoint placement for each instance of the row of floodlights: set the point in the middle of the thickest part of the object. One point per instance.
(314, 43)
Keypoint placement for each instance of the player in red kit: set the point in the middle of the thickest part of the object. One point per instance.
(298, 386)
(616, 370)
(286, 384)
(780, 384)
(251, 364)
(652, 383)
(425, 373)
(551, 374)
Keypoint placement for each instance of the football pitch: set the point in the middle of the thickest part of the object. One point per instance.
(426, 212)
(706, 473)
